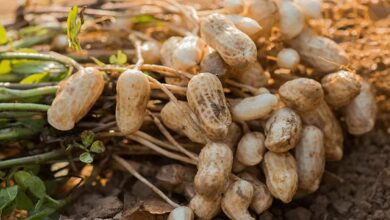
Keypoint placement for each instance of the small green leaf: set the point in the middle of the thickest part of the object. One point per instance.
(87, 138)
(143, 19)
(98, 147)
(37, 187)
(7, 196)
(86, 157)
(5, 66)
(21, 178)
(35, 78)
(23, 201)
(3, 35)
(73, 28)
(120, 58)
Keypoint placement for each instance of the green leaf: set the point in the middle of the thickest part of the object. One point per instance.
(73, 28)
(7, 196)
(87, 138)
(86, 157)
(98, 147)
(120, 58)
(37, 187)
(143, 19)
(35, 78)
(3, 35)
(21, 178)
(5, 66)
(23, 201)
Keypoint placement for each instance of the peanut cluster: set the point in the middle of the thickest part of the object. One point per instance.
(270, 144)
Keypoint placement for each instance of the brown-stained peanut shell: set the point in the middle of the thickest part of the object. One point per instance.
(235, 47)
(323, 118)
(207, 100)
(214, 166)
(262, 198)
(252, 75)
(206, 208)
(236, 200)
(281, 175)
(282, 130)
(340, 88)
(256, 107)
(322, 53)
(174, 117)
(250, 149)
(75, 98)
(301, 94)
(181, 213)
(310, 157)
(360, 114)
(132, 96)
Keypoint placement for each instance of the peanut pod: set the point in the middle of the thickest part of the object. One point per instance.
(250, 149)
(256, 107)
(75, 98)
(207, 100)
(181, 213)
(310, 157)
(282, 130)
(132, 96)
(280, 171)
(205, 208)
(236, 200)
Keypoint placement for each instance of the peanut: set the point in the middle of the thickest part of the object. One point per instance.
(281, 174)
(262, 198)
(151, 52)
(247, 25)
(251, 148)
(292, 19)
(288, 58)
(207, 100)
(282, 130)
(322, 53)
(213, 63)
(233, 136)
(310, 157)
(323, 118)
(360, 114)
(214, 166)
(204, 207)
(181, 213)
(253, 75)
(265, 12)
(173, 116)
(340, 88)
(75, 98)
(310, 8)
(235, 47)
(175, 177)
(167, 50)
(301, 94)
(236, 200)
(256, 107)
(233, 6)
(188, 53)
(133, 93)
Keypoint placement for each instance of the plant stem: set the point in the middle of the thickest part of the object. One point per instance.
(66, 61)
(36, 159)
(23, 107)
(12, 94)
(26, 86)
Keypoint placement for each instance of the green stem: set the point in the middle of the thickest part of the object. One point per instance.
(66, 61)
(35, 159)
(12, 94)
(23, 107)
(4, 115)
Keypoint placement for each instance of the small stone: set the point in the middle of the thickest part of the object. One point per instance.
(342, 206)
(298, 213)
(379, 214)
